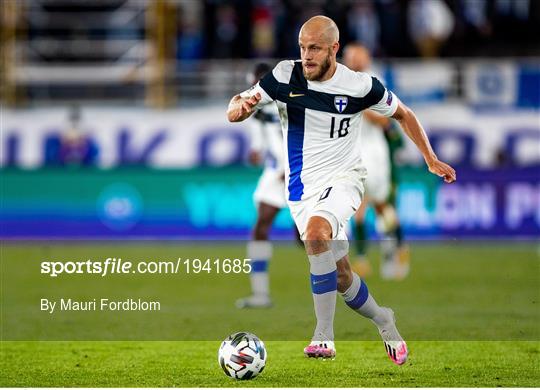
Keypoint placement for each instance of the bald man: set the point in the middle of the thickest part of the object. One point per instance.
(377, 157)
(320, 104)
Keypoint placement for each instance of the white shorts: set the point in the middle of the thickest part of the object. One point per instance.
(336, 202)
(271, 189)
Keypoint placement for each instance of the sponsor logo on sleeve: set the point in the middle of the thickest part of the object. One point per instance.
(389, 98)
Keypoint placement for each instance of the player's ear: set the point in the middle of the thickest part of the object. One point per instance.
(335, 47)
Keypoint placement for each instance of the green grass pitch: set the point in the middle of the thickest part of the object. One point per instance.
(469, 311)
(194, 364)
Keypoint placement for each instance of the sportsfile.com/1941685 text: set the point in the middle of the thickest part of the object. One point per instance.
(117, 266)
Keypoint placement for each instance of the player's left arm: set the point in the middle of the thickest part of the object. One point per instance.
(414, 130)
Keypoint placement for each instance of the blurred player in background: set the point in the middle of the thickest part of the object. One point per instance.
(320, 104)
(269, 197)
(378, 141)
(73, 147)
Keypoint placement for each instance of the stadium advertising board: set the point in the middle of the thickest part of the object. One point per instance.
(217, 203)
(192, 137)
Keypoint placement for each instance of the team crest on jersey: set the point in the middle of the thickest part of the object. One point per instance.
(340, 102)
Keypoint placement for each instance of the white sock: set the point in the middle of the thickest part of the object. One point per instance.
(260, 253)
(386, 226)
(388, 250)
(324, 289)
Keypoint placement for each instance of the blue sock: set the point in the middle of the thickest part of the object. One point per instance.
(358, 298)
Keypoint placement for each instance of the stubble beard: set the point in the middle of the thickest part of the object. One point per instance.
(322, 71)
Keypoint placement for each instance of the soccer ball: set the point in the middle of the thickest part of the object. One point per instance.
(242, 355)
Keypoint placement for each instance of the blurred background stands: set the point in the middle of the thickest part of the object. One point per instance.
(167, 52)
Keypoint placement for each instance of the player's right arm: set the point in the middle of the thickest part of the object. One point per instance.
(240, 108)
(244, 104)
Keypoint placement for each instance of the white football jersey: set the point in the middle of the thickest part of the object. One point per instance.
(320, 121)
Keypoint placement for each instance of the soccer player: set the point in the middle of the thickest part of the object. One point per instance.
(375, 147)
(269, 196)
(320, 104)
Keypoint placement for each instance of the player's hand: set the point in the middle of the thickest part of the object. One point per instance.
(255, 157)
(241, 108)
(248, 104)
(442, 170)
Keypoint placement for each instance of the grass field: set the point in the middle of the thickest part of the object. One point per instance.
(191, 363)
(470, 313)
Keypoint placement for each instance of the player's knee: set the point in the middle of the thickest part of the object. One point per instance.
(318, 229)
(265, 218)
(318, 235)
